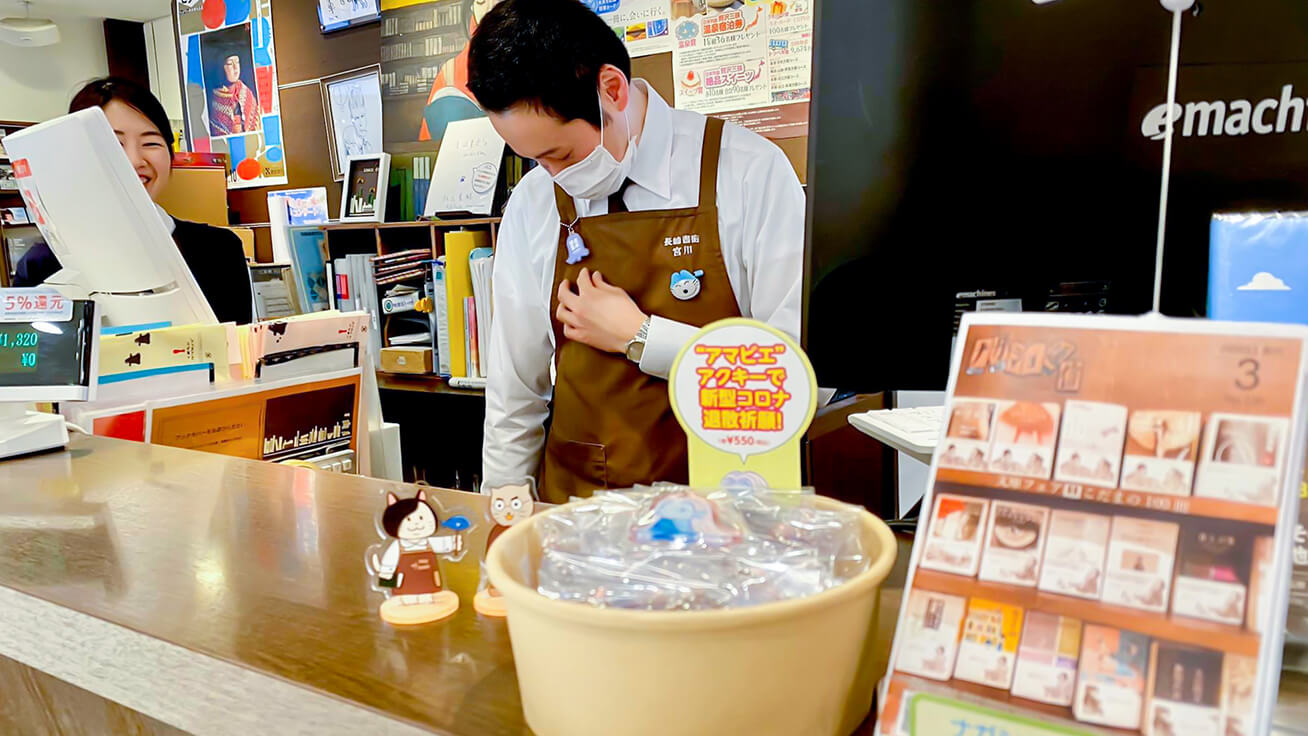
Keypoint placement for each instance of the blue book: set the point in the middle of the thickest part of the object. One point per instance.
(1258, 267)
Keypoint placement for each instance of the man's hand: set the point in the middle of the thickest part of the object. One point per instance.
(598, 314)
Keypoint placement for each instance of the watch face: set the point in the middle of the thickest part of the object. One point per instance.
(635, 351)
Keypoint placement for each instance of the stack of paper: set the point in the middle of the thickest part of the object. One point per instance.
(481, 262)
(144, 348)
(301, 335)
(394, 268)
(364, 282)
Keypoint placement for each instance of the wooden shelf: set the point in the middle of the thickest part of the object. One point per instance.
(426, 384)
(1158, 625)
(1134, 500)
(466, 222)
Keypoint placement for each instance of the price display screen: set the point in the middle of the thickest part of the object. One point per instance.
(43, 353)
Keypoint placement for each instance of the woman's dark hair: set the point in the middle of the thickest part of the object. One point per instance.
(101, 92)
(545, 53)
(396, 512)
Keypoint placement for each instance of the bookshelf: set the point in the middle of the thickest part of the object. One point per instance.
(383, 238)
(1131, 500)
(11, 198)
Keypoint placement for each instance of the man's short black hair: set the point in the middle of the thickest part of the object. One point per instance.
(546, 54)
(100, 92)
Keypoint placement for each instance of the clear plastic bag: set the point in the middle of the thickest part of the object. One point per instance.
(673, 548)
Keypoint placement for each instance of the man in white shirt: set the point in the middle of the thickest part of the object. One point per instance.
(614, 251)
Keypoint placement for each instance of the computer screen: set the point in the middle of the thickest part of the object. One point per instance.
(98, 219)
(50, 360)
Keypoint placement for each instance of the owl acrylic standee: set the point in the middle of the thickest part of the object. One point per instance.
(509, 504)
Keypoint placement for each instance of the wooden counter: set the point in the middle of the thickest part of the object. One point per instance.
(226, 596)
(153, 590)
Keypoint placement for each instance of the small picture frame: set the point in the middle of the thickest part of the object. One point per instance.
(363, 193)
(352, 110)
(337, 15)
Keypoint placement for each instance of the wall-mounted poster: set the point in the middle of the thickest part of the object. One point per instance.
(231, 100)
(641, 24)
(353, 104)
(748, 62)
(424, 59)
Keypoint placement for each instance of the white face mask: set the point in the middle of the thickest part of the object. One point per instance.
(599, 174)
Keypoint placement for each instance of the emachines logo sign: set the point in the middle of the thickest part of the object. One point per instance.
(1238, 117)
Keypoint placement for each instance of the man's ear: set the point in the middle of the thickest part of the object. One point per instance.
(615, 86)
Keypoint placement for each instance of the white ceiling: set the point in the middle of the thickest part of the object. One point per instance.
(123, 9)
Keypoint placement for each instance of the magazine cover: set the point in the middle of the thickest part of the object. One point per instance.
(1239, 675)
(1242, 459)
(1014, 542)
(953, 542)
(1200, 409)
(1111, 682)
(1140, 558)
(1260, 571)
(1090, 443)
(1161, 449)
(1212, 575)
(1074, 554)
(934, 620)
(967, 438)
(1046, 659)
(1184, 692)
(1025, 432)
(987, 652)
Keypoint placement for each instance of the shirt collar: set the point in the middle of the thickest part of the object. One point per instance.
(169, 223)
(652, 168)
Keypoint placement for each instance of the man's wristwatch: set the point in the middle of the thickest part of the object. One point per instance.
(636, 345)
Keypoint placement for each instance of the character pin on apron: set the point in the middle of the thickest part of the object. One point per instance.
(686, 284)
(576, 246)
(408, 569)
(509, 505)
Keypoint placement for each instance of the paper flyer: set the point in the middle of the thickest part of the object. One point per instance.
(1168, 574)
(790, 50)
(750, 62)
(720, 60)
(643, 25)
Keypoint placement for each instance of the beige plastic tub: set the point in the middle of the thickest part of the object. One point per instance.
(791, 668)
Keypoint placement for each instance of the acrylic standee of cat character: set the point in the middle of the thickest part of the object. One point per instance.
(508, 505)
(407, 566)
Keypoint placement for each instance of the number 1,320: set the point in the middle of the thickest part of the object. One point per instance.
(19, 340)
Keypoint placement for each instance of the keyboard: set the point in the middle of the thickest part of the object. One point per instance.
(914, 430)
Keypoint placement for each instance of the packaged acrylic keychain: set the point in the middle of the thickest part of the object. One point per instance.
(672, 548)
(509, 505)
(406, 565)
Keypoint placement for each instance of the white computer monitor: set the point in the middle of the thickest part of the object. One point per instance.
(98, 219)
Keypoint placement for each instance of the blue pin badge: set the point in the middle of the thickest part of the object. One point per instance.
(686, 285)
(576, 246)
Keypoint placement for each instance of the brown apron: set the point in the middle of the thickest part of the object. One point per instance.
(613, 426)
(420, 573)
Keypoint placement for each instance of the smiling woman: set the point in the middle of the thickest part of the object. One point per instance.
(214, 255)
